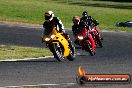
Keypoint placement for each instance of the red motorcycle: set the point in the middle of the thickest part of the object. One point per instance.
(86, 41)
(96, 36)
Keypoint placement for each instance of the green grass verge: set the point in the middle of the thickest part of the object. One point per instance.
(31, 11)
(19, 52)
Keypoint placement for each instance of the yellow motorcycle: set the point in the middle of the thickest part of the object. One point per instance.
(58, 45)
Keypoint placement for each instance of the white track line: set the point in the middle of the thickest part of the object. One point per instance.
(27, 59)
(30, 59)
(22, 86)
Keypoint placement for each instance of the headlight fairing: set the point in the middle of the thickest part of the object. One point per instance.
(52, 36)
(80, 37)
(47, 39)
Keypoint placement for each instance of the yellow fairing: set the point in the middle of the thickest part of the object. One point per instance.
(64, 43)
(61, 39)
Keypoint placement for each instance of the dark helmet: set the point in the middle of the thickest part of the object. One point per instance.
(49, 15)
(85, 14)
(76, 19)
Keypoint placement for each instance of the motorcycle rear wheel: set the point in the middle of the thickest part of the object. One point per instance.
(98, 39)
(71, 55)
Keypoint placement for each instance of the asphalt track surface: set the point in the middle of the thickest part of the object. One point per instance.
(114, 58)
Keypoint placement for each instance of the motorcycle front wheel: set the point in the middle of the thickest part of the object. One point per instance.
(88, 47)
(57, 52)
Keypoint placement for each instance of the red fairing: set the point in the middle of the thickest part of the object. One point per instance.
(96, 36)
(92, 41)
(86, 34)
(96, 30)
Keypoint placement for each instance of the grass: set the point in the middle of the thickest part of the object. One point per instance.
(31, 11)
(19, 52)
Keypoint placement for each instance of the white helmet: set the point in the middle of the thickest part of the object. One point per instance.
(49, 15)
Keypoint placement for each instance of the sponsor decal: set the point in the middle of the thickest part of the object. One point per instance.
(83, 77)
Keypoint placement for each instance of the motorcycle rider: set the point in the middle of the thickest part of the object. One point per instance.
(89, 22)
(88, 19)
(51, 21)
(77, 28)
